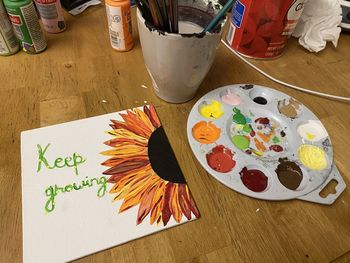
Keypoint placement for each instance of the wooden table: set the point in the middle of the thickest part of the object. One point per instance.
(79, 76)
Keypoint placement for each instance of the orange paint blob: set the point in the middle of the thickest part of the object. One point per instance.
(205, 132)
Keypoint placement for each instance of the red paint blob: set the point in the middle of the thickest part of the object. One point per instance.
(253, 179)
(276, 148)
(262, 121)
(220, 159)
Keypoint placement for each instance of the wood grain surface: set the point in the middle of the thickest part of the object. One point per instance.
(79, 75)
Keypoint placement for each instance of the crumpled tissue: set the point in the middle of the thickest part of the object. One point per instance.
(318, 24)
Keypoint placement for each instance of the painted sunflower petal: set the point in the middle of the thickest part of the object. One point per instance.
(116, 141)
(148, 113)
(124, 182)
(117, 161)
(157, 202)
(146, 204)
(154, 115)
(184, 202)
(166, 213)
(135, 195)
(126, 134)
(143, 116)
(115, 178)
(136, 124)
(122, 187)
(193, 206)
(119, 125)
(131, 200)
(126, 167)
(174, 204)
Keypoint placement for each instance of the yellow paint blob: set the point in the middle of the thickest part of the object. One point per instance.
(212, 110)
(310, 136)
(312, 157)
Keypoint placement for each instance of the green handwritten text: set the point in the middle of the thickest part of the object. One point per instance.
(53, 190)
(70, 161)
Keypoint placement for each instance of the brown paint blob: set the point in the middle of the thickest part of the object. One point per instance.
(289, 174)
(220, 159)
(253, 179)
(290, 108)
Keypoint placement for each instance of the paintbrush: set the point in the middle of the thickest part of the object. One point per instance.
(164, 13)
(214, 22)
(175, 17)
(156, 14)
(142, 5)
(169, 14)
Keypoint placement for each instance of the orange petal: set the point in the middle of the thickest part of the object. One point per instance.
(134, 197)
(143, 116)
(148, 113)
(134, 122)
(157, 202)
(146, 203)
(154, 115)
(174, 204)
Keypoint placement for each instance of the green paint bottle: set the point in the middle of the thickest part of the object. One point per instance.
(26, 25)
(8, 41)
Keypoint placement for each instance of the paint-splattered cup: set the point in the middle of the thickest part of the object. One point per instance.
(178, 63)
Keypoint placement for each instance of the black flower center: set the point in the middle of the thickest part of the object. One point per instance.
(162, 158)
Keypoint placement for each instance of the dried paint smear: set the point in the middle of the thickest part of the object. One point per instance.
(312, 157)
(261, 137)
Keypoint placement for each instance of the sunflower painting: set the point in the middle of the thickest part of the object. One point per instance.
(144, 171)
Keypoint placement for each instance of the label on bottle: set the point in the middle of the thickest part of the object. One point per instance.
(31, 20)
(51, 15)
(119, 23)
(8, 40)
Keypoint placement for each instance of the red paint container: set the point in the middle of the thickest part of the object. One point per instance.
(261, 28)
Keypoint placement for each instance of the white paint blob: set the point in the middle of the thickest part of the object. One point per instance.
(312, 131)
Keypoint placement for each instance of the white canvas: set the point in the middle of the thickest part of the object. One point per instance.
(81, 222)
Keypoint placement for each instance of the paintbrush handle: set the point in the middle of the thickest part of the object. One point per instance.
(213, 23)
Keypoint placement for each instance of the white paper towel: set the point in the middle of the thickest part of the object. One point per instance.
(318, 24)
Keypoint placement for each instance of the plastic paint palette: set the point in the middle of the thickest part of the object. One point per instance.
(263, 143)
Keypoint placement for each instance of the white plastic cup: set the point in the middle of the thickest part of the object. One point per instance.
(177, 63)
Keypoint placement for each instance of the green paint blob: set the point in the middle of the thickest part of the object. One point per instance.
(246, 128)
(240, 142)
(275, 139)
(238, 117)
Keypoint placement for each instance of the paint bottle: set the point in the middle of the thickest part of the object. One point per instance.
(26, 25)
(261, 29)
(8, 41)
(119, 24)
(51, 15)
